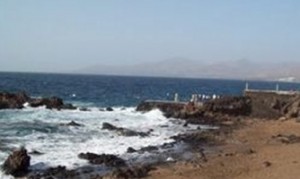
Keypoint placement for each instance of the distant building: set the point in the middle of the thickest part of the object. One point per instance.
(287, 79)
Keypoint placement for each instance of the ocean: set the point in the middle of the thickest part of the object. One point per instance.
(40, 129)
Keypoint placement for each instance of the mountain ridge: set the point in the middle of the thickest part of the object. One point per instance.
(180, 67)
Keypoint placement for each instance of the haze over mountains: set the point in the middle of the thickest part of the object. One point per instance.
(179, 67)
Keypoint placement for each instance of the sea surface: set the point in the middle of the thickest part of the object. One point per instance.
(40, 129)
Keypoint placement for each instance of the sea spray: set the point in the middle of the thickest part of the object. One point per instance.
(41, 130)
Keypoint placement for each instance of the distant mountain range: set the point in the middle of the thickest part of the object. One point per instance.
(239, 69)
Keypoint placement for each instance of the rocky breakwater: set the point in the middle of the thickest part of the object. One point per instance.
(259, 105)
(209, 112)
(18, 100)
(274, 104)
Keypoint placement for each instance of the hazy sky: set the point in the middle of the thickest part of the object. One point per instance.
(62, 35)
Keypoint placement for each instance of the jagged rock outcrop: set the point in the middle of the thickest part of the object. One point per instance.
(106, 159)
(165, 107)
(13, 101)
(17, 163)
(123, 131)
(234, 106)
(292, 109)
(208, 112)
(50, 103)
(72, 123)
(17, 101)
(58, 172)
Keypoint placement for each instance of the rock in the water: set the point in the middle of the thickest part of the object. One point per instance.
(123, 131)
(106, 159)
(17, 101)
(108, 126)
(50, 103)
(69, 106)
(35, 152)
(72, 123)
(59, 172)
(149, 149)
(109, 109)
(13, 101)
(131, 150)
(17, 163)
(84, 109)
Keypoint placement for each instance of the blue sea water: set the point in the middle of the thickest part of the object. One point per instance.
(40, 129)
(124, 91)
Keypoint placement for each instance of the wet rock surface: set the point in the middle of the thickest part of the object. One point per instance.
(35, 152)
(167, 108)
(210, 112)
(198, 138)
(13, 101)
(109, 109)
(106, 159)
(123, 131)
(143, 149)
(72, 123)
(59, 172)
(17, 163)
(17, 100)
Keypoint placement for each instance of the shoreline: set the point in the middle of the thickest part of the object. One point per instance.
(227, 151)
(260, 149)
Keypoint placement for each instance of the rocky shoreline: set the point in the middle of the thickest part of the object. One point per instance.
(21, 99)
(228, 113)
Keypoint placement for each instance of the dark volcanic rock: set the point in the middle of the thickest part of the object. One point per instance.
(59, 172)
(69, 106)
(35, 152)
(17, 100)
(292, 109)
(109, 109)
(108, 126)
(229, 105)
(273, 104)
(123, 131)
(13, 101)
(131, 150)
(72, 123)
(142, 150)
(84, 109)
(197, 139)
(168, 108)
(209, 112)
(149, 149)
(50, 103)
(108, 160)
(17, 163)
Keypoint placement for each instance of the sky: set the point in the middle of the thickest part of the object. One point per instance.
(62, 36)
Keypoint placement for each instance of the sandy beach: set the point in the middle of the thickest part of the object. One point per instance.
(261, 149)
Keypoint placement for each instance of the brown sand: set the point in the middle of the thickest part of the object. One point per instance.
(251, 152)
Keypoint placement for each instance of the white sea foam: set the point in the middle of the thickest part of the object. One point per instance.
(38, 129)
